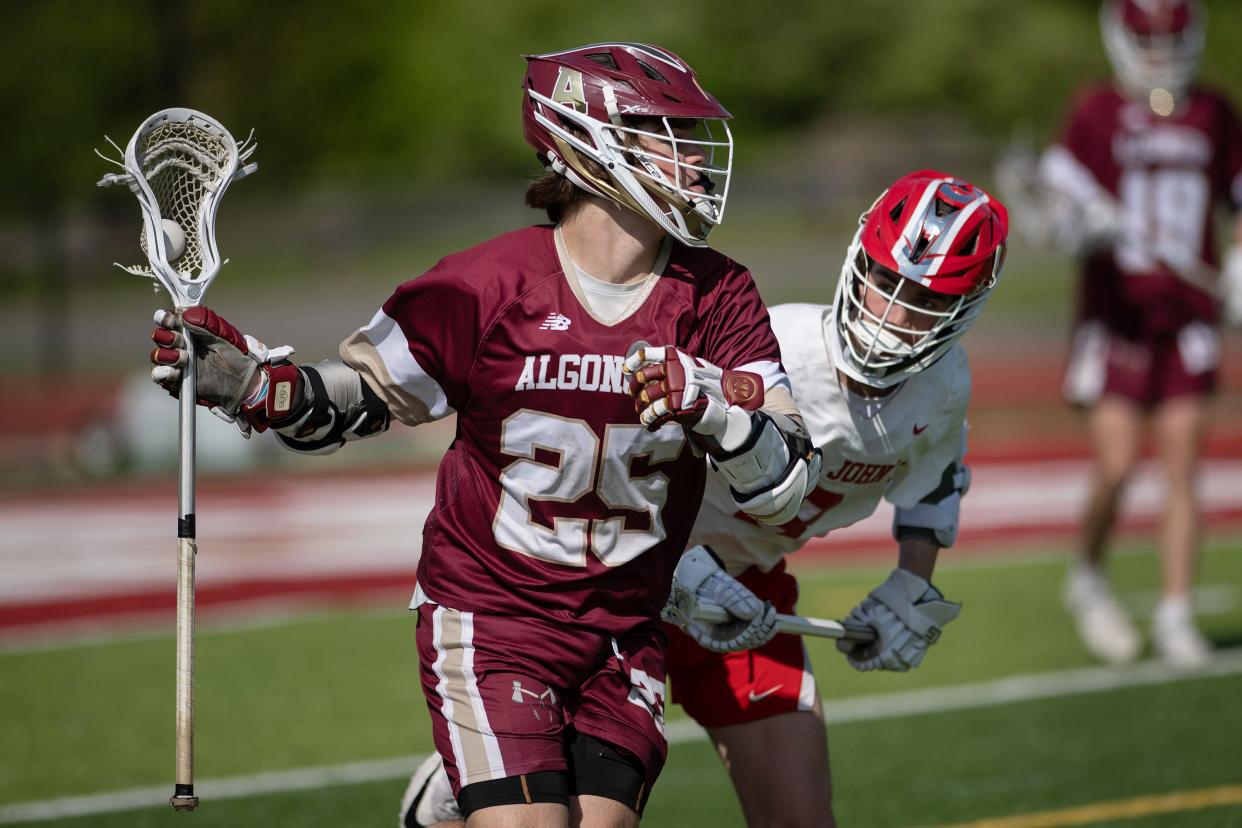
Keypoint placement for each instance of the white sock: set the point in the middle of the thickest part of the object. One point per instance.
(1174, 609)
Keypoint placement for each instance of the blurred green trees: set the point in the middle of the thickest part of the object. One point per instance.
(380, 92)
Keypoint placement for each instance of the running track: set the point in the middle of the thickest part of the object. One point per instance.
(73, 562)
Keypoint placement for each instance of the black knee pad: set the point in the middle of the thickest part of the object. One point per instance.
(523, 789)
(601, 769)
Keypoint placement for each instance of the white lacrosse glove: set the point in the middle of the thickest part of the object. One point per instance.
(1231, 285)
(907, 614)
(699, 578)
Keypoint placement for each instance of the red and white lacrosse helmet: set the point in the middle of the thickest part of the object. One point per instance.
(1153, 44)
(930, 228)
(590, 102)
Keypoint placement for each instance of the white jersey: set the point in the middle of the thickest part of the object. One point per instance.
(896, 447)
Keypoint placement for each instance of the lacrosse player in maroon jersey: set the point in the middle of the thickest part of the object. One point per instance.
(561, 505)
(1139, 169)
(883, 384)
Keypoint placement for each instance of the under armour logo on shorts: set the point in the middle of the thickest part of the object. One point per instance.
(539, 702)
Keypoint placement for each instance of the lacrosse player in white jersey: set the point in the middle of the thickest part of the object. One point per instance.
(883, 386)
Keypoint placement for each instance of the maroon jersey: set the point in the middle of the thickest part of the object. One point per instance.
(1167, 173)
(553, 501)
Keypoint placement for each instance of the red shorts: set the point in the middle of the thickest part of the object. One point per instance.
(502, 690)
(721, 689)
(1147, 371)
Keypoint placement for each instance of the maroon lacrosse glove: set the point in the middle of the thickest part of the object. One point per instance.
(236, 375)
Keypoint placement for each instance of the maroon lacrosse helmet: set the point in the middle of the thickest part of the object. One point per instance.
(1153, 44)
(615, 104)
(938, 231)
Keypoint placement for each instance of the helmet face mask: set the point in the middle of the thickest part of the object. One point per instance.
(1154, 46)
(918, 273)
(891, 321)
(663, 144)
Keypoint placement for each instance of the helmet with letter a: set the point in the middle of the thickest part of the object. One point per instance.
(924, 260)
(1154, 45)
(630, 123)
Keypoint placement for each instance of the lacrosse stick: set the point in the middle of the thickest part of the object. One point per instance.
(793, 624)
(178, 164)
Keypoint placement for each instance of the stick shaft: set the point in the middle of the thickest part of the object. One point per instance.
(186, 549)
(183, 798)
(795, 624)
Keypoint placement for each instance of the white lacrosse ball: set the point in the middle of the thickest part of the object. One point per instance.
(174, 239)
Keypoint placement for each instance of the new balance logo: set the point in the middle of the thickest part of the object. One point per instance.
(555, 322)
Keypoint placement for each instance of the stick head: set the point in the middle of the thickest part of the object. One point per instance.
(179, 163)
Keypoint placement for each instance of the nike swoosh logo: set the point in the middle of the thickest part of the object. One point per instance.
(754, 697)
(919, 429)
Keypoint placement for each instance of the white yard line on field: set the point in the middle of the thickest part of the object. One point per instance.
(1014, 689)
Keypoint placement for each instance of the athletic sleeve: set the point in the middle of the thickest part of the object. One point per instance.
(1073, 165)
(417, 352)
(1080, 133)
(736, 332)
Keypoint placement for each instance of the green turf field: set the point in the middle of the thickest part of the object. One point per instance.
(340, 688)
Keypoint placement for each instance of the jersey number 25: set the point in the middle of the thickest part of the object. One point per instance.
(581, 467)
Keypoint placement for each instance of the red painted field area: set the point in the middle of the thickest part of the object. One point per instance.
(72, 562)
(73, 559)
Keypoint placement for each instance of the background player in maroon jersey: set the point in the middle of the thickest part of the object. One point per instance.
(560, 509)
(1140, 167)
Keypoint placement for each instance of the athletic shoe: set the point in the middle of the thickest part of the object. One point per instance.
(1104, 627)
(429, 797)
(1176, 638)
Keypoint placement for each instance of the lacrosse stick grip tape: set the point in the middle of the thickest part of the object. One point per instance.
(183, 798)
(795, 624)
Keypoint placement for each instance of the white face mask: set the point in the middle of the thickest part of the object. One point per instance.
(1144, 64)
(651, 171)
(870, 346)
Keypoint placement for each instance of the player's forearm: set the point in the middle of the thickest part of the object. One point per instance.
(779, 401)
(333, 405)
(917, 554)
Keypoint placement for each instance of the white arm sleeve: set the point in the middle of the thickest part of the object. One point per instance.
(1082, 215)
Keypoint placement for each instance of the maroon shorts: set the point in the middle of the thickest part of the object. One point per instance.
(502, 690)
(721, 689)
(1147, 371)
